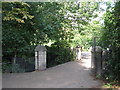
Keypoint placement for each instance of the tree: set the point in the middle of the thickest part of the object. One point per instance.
(110, 39)
(39, 23)
(16, 19)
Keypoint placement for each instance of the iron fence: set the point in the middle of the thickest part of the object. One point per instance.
(26, 64)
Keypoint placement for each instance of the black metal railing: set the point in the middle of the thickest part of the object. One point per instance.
(20, 65)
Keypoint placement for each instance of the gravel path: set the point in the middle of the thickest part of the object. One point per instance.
(75, 74)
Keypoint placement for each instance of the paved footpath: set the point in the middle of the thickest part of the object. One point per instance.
(74, 74)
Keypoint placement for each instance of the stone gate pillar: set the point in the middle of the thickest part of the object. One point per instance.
(96, 60)
(99, 60)
(40, 57)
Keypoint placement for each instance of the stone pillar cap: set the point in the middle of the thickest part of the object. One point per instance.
(40, 48)
(97, 49)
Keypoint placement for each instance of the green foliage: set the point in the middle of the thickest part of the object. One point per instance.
(66, 24)
(111, 85)
(16, 69)
(85, 37)
(6, 68)
(17, 30)
(17, 12)
(58, 54)
(98, 76)
(107, 85)
(26, 25)
(110, 39)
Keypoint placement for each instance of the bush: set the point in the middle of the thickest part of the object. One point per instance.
(6, 68)
(16, 69)
(57, 54)
(111, 39)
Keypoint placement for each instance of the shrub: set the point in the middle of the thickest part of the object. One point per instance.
(16, 69)
(6, 68)
(58, 54)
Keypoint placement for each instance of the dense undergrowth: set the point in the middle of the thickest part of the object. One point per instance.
(111, 39)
